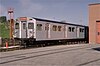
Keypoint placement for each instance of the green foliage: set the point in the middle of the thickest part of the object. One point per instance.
(4, 32)
(3, 19)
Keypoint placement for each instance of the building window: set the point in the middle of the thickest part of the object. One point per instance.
(54, 28)
(59, 28)
(39, 27)
(98, 33)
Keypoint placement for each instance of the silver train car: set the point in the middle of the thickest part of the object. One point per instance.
(32, 31)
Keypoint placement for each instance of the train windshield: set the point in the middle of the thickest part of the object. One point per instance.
(30, 25)
(17, 26)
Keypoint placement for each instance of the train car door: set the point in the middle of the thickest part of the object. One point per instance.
(98, 31)
(16, 31)
(47, 28)
(77, 32)
(23, 29)
(65, 31)
(30, 30)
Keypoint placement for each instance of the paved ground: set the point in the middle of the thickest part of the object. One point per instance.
(63, 55)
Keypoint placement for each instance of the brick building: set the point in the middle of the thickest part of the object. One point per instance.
(94, 23)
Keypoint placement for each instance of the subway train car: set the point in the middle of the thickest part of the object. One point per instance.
(36, 31)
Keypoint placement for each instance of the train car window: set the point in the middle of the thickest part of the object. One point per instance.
(17, 26)
(30, 25)
(82, 30)
(69, 29)
(54, 28)
(59, 28)
(24, 25)
(73, 29)
(39, 27)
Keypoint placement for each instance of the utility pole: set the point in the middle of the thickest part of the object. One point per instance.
(11, 16)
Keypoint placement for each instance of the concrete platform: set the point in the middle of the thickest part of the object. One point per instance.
(62, 55)
(9, 47)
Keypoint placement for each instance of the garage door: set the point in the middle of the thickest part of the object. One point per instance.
(98, 31)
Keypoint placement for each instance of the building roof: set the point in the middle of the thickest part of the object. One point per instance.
(94, 4)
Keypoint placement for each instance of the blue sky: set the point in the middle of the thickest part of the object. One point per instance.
(73, 11)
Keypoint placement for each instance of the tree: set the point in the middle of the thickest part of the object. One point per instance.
(3, 19)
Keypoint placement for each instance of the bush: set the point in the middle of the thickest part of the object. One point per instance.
(3, 19)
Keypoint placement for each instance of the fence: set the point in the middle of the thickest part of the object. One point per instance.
(11, 42)
(7, 44)
(0, 41)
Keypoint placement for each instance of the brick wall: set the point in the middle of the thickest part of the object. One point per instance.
(94, 15)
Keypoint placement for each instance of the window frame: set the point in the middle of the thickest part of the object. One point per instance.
(73, 29)
(69, 29)
(81, 30)
(30, 27)
(24, 25)
(39, 27)
(47, 26)
(98, 33)
(54, 27)
(17, 27)
(59, 28)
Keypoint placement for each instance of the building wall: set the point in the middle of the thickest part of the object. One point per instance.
(94, 15)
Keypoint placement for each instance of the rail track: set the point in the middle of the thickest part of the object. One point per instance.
(17, 45)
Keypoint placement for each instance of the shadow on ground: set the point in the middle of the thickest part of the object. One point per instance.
(97, 48)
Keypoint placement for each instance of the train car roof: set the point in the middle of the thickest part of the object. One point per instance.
(39, 19)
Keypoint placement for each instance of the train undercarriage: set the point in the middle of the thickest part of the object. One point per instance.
(32, 42)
